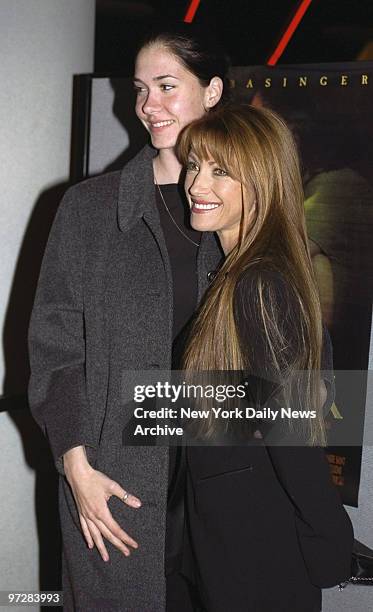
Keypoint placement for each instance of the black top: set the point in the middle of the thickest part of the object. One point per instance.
(183, 259)
(182, 252)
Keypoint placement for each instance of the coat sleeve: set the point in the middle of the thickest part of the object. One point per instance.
(57, 389)
(324, 529)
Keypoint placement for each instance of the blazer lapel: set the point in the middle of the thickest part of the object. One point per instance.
(209, 259)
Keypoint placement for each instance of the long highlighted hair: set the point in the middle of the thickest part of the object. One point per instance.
(256, 147)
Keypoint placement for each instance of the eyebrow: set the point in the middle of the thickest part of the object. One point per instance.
(158, 78)
(210, 162)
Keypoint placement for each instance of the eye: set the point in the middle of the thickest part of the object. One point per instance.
(191, 166)
(220, 172)
(138, 89)
(166, 87)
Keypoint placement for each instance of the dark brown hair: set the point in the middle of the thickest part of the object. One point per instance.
(199, 52)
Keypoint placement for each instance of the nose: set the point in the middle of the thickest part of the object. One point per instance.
(151, 103)
(200, 184)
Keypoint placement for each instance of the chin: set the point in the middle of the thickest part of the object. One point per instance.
(202, 227)
(159, 141)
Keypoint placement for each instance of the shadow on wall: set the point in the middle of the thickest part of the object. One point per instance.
(27, 270)
(22, 293)
(38, 458)
(123, 110)
(36, 450)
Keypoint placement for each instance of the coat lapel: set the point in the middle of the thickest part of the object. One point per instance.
(136, 190)
(136, 200)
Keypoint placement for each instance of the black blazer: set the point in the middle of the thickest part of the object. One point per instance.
(267, 529)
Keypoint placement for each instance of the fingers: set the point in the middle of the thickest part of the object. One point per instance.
(86, 531)
(102, 525)
(130, 500)
(113, 539)
(94, 530)
(125, 496)
(97, 523)
(115, 529)
(97, 538)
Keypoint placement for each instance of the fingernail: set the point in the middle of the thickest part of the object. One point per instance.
(137, 503)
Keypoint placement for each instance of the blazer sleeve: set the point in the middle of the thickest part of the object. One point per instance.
(57, 388)
(324, 529)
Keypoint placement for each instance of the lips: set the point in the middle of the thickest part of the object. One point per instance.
(159, 125)
(201, 206)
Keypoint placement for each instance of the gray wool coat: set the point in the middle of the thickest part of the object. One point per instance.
(70, 355)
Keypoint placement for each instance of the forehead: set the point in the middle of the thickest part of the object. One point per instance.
(155, 61)
(203, 156)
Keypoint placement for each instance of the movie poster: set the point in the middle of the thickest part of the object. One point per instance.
(328, 107)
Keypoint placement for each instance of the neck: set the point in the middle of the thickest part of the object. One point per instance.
(166, 167)
(228, 240)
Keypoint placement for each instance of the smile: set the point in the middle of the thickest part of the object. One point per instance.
(160, 124)
(203, 206)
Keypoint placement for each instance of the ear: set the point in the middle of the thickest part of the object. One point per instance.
(213, 92)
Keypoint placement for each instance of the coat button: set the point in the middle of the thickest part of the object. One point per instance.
(211, 275)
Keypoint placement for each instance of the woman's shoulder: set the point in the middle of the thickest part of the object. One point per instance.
(89, 207)
(264, 301)
(102, 190)
(93, 189)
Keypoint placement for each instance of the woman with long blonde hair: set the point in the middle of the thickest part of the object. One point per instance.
(267, 529)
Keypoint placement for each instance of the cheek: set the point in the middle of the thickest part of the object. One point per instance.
(231, 194)
(138, 108)
(190, 107)
(233, 201)
(196, 110)
(187, 184)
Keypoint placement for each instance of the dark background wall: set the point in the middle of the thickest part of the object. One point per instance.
(331, 30)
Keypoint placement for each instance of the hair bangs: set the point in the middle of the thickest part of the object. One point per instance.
(207, 139)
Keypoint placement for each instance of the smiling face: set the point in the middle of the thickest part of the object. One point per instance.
(169, 96)
(216, 200)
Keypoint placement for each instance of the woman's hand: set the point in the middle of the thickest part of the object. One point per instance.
(92, 490)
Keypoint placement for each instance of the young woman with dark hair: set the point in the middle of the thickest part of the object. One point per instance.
(267, 527)
(121, 276)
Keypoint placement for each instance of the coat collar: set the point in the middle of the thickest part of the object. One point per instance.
(136, 199)
(136, 189)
